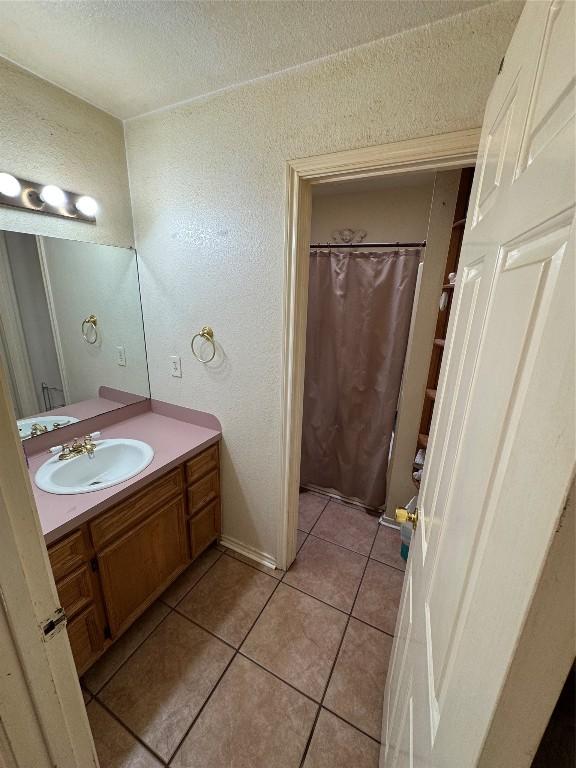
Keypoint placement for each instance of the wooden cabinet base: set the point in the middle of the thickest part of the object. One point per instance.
(142, 563)
(111, 569)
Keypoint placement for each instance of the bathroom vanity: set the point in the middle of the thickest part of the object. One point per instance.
(110, 569)
(113, 551)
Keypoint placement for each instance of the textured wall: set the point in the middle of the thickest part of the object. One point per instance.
(208, 191)
(387, 215)
(49, 136)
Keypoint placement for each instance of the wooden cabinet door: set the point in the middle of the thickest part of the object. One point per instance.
(86, 636)
(136, 568)
(204, 527)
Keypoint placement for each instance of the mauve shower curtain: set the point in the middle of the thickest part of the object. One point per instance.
(359, 310)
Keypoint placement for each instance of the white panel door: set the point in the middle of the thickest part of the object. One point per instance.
(502, 448)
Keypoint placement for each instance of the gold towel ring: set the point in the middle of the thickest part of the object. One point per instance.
(207, 334)
(91, 321)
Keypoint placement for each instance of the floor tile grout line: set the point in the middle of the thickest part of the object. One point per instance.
(277, 676)
(310, 735)
(202, 708)
(196, 582)
(341, 546)
(234, 655)
(370, 556)
(356, 728)
(337, 544)
(115, 717)
(202, 627)
(303, 591)
(401, 570)
(337, 654)
(140, 644)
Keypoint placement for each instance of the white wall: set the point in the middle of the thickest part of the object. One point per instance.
(386, 215)
(49, 136)
(85, 279)
(208, 191)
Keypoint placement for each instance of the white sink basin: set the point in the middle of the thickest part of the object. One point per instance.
(50, 422)
(113, 462)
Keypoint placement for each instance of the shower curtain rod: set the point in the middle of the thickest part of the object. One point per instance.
(368, 245)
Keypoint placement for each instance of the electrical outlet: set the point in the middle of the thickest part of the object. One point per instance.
(121, 355)
(175, 366)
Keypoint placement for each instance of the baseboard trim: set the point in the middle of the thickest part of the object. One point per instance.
(243, 549)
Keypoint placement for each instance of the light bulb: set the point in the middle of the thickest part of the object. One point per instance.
(53, 195)
(9, 185)
(87, 205)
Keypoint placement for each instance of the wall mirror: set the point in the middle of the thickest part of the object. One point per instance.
(71, 330)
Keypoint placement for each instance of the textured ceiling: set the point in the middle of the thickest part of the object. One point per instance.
(134, 56)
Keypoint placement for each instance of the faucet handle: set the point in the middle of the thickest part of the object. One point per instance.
(94, 434)
(56, 449)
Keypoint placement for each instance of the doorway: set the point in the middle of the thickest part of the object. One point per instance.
(431, 155)
(383, 254)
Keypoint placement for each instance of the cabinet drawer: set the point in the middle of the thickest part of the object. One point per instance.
(126, 515)
(86, 635)
(204, 528)
(202, 464)
(202, 492)
(75, 591)
(138, 566)
(68, 554)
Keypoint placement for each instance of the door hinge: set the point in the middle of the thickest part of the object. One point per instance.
(94, 564)
(54, 623)
(107, 632)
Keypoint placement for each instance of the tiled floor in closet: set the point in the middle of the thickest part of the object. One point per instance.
(239, 666)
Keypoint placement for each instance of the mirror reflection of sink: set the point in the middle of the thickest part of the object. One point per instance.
(50, 422)
(114, 461)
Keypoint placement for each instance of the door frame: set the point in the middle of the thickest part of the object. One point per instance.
(442, 152)
(16, 352)
(43, 720)
(53, 318)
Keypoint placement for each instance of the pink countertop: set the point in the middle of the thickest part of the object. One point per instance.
(85, 409)
(174, 441)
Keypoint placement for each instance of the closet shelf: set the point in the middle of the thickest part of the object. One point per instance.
(460, 224)
(431, 393)
(422, 441)
(439, 343)
(448, 286)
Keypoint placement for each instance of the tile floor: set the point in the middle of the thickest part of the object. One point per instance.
(238, 666)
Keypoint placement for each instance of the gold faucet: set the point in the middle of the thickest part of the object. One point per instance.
(78, 448)
(38, 429)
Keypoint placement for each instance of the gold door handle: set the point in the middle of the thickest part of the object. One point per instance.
(403, 516)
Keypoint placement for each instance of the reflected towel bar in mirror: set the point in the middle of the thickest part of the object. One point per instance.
(90, 322)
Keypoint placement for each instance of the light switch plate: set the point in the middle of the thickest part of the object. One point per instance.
(175, 366)
(121, 355)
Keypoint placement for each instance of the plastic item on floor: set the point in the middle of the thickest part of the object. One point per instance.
(406, 530)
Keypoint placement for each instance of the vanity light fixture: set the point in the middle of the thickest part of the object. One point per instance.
(53, 195)
(46, 198)
(87, 205)
(9, 185)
